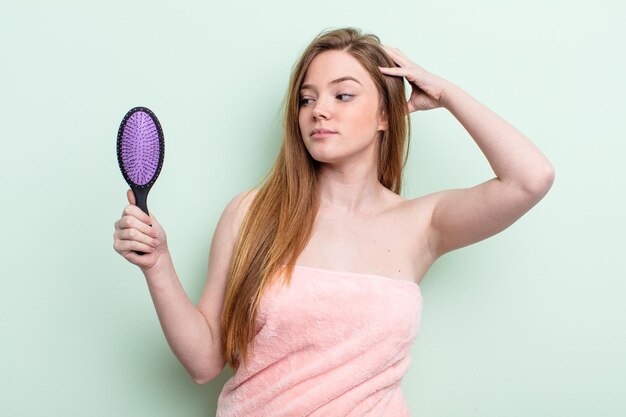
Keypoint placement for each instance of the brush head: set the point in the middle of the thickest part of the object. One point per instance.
(140, 147)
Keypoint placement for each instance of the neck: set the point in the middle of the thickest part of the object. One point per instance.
(349, 189)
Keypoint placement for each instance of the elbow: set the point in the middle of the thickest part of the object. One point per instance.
(541, 182)
(204, 377)
(201, 381)
(212, 370)
(547, 179)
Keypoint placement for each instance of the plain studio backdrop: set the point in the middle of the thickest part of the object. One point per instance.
(530, 322)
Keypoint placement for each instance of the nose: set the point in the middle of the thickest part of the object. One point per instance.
(321, 109)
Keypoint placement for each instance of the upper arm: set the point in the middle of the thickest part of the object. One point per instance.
(220, 257)
(464, 216)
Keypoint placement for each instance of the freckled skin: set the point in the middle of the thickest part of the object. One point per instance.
(348, 108)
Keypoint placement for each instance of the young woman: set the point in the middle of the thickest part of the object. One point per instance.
(312, 295)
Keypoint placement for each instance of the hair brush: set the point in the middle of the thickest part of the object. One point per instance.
(140, 152)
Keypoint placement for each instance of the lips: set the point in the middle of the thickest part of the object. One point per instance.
(320, 131)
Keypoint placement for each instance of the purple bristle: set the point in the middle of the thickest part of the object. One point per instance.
(140, 148)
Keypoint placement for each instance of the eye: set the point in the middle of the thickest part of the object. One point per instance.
(304, 101)
(347, 97)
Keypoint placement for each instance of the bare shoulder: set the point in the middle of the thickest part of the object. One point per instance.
(239, 206)
(232, 217)
(422, 205)
(417, 209)
(418, 212)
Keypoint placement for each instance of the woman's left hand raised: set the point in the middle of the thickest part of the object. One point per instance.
(427, 89)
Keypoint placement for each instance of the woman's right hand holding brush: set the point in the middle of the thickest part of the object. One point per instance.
(136, 231)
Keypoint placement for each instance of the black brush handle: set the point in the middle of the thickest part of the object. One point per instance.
(141, 201)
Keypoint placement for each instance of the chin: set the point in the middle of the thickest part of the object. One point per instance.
(326, 157)
(319, 156)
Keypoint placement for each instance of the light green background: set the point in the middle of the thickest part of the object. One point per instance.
(530, 322)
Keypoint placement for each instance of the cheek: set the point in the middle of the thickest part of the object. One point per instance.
(303, 117)
(300, 119)
(365, 119)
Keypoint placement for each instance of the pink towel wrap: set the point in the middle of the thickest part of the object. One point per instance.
(329, 344)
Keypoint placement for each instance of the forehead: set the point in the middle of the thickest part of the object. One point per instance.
(331, 65)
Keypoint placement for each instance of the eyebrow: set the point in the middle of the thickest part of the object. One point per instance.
(337, 81)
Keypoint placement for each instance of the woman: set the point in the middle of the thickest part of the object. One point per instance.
(313, 277)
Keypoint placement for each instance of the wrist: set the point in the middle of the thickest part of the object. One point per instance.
(448, 90)
(161, 267)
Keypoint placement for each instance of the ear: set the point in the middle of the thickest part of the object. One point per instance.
(383, 124)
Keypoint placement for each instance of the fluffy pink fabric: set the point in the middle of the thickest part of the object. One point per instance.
(329, 344)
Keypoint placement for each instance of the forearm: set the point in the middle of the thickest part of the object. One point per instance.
(514, 159)
(185, 328)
